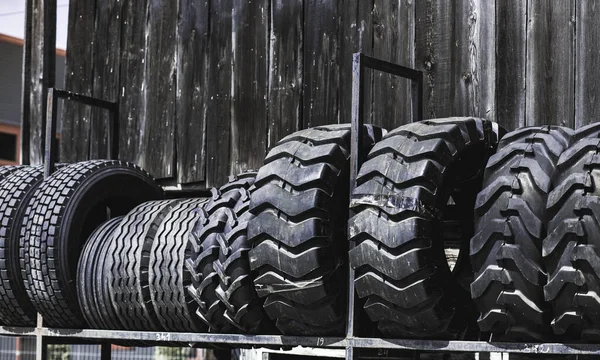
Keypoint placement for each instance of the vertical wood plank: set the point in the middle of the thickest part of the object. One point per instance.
(132, 87)
(218, 110)
(321, 63)
(434, 55)
(105, 63)
(192, 96)
(158, 149)
(550, 68)
(393, 40)
(587, 58)
(357, 36)
(42, 37)
(285, 69)
(511, 22)
(250, 26)
(474, 72)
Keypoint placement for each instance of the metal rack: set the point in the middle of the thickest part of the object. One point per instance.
(355, 347)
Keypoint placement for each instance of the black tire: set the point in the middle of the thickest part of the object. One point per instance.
(64, 211)
(6, 170)
(16, 190)
(510, 225)
(217, 219)
(129, 264)
(403, 212)
(90, 273)
(168, 276)
(298, 232)
(570, 250)
(243, 306)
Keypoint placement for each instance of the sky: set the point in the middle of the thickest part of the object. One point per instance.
(12, 20)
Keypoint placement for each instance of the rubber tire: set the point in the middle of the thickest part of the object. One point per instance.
(64, 211)
(16, 189)
(128, 267)
(90, 295)
(244, 308)
(298, 232)
(168, 275)
(570, 250)
(402, 191)
(216, 219)
(510, 225)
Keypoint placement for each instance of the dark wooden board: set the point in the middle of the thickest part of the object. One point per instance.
(393, 40)
(285, 69)
(474, 62)
(131, 81)
(218, 107)
(587, 58)
(42, 52)
(434, 35)
(357, 36)
(550, 67)
(511, 26)
(321, 62)
(105, 64)
(157, 155)
(249, 120)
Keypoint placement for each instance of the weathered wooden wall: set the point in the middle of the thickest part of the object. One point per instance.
(206, 87)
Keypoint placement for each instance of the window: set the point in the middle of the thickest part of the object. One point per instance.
(10, 142)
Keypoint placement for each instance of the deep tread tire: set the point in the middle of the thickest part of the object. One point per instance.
(510, 225)
(90, 295)
(16, 189)
(217, 218)
(298, 232)
(64, 211)
(571, 249)
(129, 264)
(169, 277)
(401, 204)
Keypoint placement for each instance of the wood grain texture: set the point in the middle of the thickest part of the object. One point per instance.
(41, 75)
(192, 95)
(393, 40)
(219, 87)
(357, 36)
(321, 62)
(511, 24)
(105, 65)
(285, 79)
(433, 55)
(550, 63)
(249, 122)
(158, 144)
(132, 107)
(474, 62)
(587, 58)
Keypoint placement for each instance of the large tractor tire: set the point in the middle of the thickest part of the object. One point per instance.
(299, 229)
(415, 192)
(169, 278)
(217, 218)
(571, 249)
(510, 225)
(16, 189)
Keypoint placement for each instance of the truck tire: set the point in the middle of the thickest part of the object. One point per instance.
(510, 225)
(129, 264)
(88, 276)
(168, 276)
(416, 178)
(298, 229)
(216, 219)
(64, 211)
(570, 249)
(16, 190)
(9, 169)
